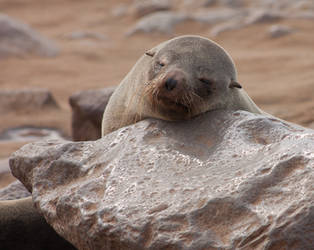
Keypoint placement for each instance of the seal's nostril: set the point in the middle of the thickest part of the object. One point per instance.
(170, 83)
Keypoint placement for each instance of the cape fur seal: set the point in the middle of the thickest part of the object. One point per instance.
(176, 80)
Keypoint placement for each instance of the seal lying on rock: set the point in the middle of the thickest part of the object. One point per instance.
(178, 79)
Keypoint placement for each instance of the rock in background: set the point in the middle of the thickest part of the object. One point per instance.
(26, 100)
(220, 181)
(87, 112)
(15, 190)
(18, 39)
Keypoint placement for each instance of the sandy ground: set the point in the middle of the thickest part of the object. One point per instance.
(277, 73)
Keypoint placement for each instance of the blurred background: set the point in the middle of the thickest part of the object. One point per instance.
(50, 50)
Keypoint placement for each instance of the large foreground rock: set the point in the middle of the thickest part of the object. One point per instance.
(17, 38)
(87, 112)
(221, 181)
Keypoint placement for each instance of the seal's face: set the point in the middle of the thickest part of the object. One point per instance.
(188, 76)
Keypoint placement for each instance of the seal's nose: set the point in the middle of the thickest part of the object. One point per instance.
(174, 79)
(171, 83)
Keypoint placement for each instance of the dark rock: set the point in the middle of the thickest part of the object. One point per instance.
(223, 180)
(22, 227)
(87, 111)
(143, 8)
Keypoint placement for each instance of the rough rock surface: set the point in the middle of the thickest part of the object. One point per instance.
(220, 181)
(163, 22)
(87, 111)
(18, 39)
(13, 191)
(26, 100)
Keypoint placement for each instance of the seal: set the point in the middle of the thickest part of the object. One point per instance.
(177, 80)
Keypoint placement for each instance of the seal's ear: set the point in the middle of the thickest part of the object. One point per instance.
(234, 84)
(151, 52)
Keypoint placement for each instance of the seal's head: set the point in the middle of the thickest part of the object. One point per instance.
(178, 79)
(187, 76)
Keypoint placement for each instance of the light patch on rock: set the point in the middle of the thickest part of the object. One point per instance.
(163, 22)
(13, 191)
(279, 30)
(263, 16)
(216, 15)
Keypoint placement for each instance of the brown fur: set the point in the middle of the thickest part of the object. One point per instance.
(205, 78)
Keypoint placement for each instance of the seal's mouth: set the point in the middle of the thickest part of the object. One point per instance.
(175, 105)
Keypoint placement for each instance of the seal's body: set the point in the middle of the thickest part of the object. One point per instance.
(178, 79)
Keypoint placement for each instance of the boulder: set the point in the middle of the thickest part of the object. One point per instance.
(143, 8)
(224, 180)
(18, 39)
(163, 22)
(87, 111)
(263, 16)
(26, 100)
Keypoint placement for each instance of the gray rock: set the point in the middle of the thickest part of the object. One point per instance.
(120, 10)
(87, 111)
(4, 165)
(163, 22)
(145, 7)
(263, 16)
(29, 134)
(216, 15)
(79, 35)
(279, 30)
(220, 181)
(15, 190)
(208, 3)
(17, 39)
(227, 26)
(211, 3)
(302, 15)
(26, 100)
